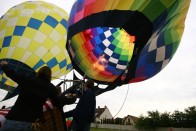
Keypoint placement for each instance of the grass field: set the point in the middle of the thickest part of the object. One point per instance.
(98, 129)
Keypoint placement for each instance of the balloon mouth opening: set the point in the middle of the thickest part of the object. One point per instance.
(99, 50)
(102, 49)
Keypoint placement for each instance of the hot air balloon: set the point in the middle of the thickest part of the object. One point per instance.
(117, 42)
(33, 34)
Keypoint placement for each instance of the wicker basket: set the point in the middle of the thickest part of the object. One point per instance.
(51, 120)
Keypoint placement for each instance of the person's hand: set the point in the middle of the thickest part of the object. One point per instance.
(74, 95)
(71, 95)
(68, 95)
(3, 63)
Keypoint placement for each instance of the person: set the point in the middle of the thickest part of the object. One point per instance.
(84, 113)
(34, 91)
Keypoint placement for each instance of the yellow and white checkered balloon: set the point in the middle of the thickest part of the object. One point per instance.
(34, 34)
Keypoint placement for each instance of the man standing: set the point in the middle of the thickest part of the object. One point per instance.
(84, 113)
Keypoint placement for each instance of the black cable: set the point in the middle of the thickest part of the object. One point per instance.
(123, 102)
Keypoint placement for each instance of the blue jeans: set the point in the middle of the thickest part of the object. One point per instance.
(11, 125)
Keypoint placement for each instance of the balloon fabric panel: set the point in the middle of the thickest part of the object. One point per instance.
(84, 8)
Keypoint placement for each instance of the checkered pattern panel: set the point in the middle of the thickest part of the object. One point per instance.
(113, 44)
(35, 33)
(161, 47)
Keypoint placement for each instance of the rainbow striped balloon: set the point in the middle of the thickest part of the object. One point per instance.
(130, 40)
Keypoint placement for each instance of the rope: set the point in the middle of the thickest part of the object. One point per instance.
(123, 103)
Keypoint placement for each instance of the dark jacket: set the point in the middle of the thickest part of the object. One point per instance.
(32, 96)
(84, 113)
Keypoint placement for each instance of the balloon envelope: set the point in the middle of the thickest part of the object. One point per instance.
(127, 39)
(33, 34)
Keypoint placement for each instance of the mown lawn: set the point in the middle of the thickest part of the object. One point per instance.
(98, 129)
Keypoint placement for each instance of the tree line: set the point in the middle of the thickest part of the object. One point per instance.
(177, 119)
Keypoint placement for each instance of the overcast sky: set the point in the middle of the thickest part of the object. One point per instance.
(174, 88)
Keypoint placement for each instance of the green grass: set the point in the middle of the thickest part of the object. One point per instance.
(98, 129)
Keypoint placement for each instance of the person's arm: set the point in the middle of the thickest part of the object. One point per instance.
(11, 73)
(72, 89)
(54, 97)
(67, 100)
(5, 69)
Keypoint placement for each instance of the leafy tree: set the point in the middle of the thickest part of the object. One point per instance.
(190, 117)
(145, 123)
(186, 119)
(165, 120)
(155, 118)
(177, 119)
